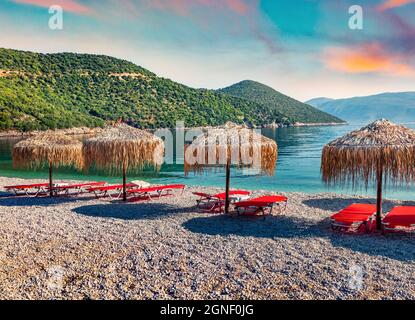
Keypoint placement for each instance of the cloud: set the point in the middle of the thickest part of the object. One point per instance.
(215, 18)
(68, 5)
(238, 6)
(391, 4)
(367, 58)
(403, 38)
(184, 7)
(235, 17)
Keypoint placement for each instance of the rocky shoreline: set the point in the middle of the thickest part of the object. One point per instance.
(92, 131)
(71, 131)
(300, 124)
(83, 248)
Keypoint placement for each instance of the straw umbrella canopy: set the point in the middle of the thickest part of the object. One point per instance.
(52, 150)
(382, 152)
(231, 145)
(121, 148)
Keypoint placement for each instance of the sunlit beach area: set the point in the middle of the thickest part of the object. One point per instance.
(83, 248)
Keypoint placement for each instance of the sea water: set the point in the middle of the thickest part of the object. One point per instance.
(298, 167)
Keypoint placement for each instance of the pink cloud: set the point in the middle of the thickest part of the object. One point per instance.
(391, 4)
(238, 6)
(368, 58)
(184, 7)
(68, 5)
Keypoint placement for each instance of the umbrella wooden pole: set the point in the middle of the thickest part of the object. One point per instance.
(50, 179)
(379, 200)
(124, 182)
(228, 178)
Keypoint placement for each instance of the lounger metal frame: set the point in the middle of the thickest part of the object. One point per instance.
(163, 191)
(211, 203)
(254, 210)
(354, 226)
(79, 189)
(39, 189)
(398, 229)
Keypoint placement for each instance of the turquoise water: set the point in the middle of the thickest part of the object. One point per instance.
(298, 167)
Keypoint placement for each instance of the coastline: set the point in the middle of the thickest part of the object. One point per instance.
(320, 124)
(91, 131)
(83, 248)
(72, 131)
(301, 124)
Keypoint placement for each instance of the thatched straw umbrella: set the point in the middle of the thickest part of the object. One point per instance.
(231, 145)
(121, 148)
(53, 150)
(381, 152)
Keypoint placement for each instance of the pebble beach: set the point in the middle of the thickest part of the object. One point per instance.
(85, 248)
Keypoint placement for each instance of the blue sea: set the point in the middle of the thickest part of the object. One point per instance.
(298, 167)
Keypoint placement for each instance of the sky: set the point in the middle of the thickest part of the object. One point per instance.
(303, 48)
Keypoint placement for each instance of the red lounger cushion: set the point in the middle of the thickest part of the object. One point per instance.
(350, 217)
(261, 201)
(144, 190)
(172, 186)
(222, 195)
(359, 208)
(356, 212)
(201, 194)
(401, 216)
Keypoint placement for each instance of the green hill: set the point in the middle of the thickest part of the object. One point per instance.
(42, 91)
(271, 99)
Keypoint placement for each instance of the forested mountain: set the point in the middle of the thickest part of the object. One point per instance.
(270, 99)
(42, 91)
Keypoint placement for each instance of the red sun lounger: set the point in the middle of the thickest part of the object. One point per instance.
(355, 218)
(400, 219)
(113, 191)
(215, 203)
(31, 190)
(156, 191)
(77, 188)
(261, 206)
